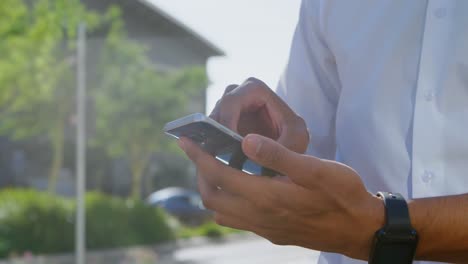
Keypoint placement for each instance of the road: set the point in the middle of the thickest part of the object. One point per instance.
(242, 250)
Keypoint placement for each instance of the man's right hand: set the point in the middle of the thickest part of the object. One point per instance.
(253, 107)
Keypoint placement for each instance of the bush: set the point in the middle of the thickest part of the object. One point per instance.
(113, 222)
(33, 221)
(42, 223)
(209, 229)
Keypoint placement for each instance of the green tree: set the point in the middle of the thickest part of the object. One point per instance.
(134, 100)
(37, 57)
(37, 83)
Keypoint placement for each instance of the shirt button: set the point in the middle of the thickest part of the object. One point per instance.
(427, 176)
(429, 95)
(440, 12)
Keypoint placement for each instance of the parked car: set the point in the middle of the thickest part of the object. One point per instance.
(184, 204)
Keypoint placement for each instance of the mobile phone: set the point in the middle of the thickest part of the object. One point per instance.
(217, 140)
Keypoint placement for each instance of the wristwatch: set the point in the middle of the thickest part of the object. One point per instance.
(396, 242)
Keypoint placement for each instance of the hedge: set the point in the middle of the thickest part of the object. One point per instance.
(40, 223)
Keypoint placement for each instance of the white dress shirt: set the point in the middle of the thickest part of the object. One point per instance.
(383, 87)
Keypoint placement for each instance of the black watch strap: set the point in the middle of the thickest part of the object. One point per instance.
(396, 212)
(396, 241)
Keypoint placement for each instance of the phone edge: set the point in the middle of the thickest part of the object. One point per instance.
(199, 117)
(196, 117)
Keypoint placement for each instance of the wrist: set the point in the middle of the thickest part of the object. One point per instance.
(419, 218)
(442, 228)
(397, 239)
(372, 219)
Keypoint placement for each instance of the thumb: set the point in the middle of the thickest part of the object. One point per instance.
(273, 155)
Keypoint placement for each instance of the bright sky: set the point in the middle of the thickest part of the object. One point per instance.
(254, 34)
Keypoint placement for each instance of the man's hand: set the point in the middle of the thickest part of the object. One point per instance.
(323, 205)
(252, 107)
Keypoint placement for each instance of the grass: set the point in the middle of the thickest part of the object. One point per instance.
(209, 229)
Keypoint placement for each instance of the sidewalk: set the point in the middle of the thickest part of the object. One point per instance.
(241, 249)
(244, 248)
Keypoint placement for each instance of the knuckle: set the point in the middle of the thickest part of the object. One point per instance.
(230, 87)
(296, 123)
(300, 121)
(227, 105)
(278, 241)
(228, 100)
(204, 191)
(208, 201)
(218, 103)
(260, 232)
(301, 130)
(256, 84)
(216, 107)
(219, 219)
(255, 81)
(215, 112)
(252, 79)
(214, 116)
(270, 236)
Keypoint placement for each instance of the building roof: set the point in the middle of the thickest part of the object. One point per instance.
(214, 49)
(144, 18)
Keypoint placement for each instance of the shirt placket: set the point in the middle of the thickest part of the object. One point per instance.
(428, 177)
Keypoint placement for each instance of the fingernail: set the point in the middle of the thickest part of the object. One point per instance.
(181, 144)
(254, 144)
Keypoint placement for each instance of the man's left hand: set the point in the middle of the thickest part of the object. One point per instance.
(319, 204)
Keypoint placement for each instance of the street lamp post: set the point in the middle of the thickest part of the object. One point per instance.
(80, 235)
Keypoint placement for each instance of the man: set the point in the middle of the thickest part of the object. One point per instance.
(383, 88)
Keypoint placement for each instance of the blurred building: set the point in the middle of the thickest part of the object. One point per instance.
(172, 45)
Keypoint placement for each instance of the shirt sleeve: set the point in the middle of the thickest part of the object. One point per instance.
(310, 83)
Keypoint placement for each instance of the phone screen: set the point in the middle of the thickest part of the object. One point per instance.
(215, 142)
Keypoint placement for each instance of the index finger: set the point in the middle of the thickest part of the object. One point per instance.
(215, 112)
(250, 95)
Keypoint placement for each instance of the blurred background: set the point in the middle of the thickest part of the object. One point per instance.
(143, 63)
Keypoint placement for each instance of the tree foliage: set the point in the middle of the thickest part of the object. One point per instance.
(37, 56)
(134, 99)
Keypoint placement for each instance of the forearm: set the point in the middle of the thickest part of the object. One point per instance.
(442, 225)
